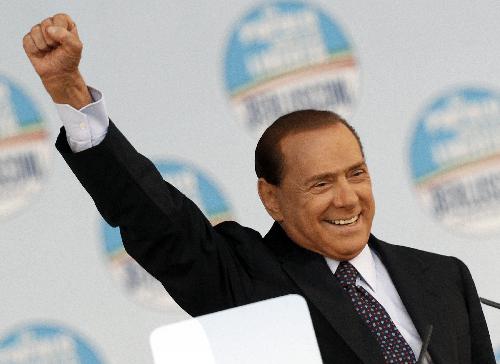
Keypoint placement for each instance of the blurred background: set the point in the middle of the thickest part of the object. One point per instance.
(192, 85)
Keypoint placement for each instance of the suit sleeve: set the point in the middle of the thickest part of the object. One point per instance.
(481, 348)
(161, 229)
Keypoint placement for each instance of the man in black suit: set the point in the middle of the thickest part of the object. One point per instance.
(314, 182)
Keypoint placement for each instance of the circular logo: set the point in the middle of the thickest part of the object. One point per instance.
(455, 160)
(287, 56)
(42, 343)
(24, 148)
(138, 283)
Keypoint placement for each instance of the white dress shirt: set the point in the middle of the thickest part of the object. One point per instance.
(87, 127)
(374, 277)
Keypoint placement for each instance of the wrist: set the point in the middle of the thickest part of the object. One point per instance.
(68, 89)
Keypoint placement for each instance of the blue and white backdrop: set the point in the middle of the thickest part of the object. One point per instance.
(193, 84)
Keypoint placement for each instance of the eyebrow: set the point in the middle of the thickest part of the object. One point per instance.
(330, 174)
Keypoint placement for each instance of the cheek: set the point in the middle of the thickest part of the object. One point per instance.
(368, 205)
(307, 212)
(316, 208)
(366, 197)
(321, 200)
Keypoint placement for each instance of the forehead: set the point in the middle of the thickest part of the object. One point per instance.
(330, 149)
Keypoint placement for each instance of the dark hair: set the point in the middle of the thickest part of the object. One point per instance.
(268, 157)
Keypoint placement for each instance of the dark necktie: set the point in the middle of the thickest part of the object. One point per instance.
(394, 347)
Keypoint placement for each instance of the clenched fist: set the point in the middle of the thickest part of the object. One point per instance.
(54, 49)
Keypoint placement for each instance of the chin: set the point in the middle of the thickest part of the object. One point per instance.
(349, 252)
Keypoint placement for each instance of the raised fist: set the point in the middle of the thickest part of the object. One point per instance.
(53, 46)
(55, 50)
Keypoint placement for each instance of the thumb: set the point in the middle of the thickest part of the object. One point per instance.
(64, 37)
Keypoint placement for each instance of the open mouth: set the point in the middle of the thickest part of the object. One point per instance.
(342, 222)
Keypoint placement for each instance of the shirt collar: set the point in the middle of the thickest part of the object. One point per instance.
(364, 264)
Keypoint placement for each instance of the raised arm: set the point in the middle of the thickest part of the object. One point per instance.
(163, 230)
(54, 49)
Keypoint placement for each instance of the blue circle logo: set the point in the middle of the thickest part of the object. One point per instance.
(24, 148)
(287, 56)
(138, 283)
(455, 160)
(43, 343)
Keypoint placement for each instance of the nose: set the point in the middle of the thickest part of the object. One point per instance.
(344, 195)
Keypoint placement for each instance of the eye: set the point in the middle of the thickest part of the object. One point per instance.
(320, 184)
(358, 172)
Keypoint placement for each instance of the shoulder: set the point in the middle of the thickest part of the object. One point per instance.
(406, 255)
(250, 249)
(234, 231)
(240, 238)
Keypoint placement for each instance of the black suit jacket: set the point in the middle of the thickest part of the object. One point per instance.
(206, 269)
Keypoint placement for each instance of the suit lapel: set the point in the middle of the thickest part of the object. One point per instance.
(311, 273)
(420, 293)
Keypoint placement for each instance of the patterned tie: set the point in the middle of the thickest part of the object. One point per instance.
(394, 347)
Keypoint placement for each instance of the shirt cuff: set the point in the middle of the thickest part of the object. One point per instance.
(87, 127)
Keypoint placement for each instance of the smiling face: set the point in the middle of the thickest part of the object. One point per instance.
(324, 201)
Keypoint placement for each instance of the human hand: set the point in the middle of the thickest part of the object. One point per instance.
(55, 49)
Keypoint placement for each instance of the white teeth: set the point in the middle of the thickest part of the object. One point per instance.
(344, 222)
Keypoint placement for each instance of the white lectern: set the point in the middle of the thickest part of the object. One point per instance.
(274, 331)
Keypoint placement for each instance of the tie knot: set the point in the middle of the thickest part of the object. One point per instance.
(346, 274)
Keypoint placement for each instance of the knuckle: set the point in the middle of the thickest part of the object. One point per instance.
(77, 47)
(34, 28)
(46, 22)
(28, 44)
(62, 17)
(26, 41)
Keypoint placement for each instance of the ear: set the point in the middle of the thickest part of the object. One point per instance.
(268, 194)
